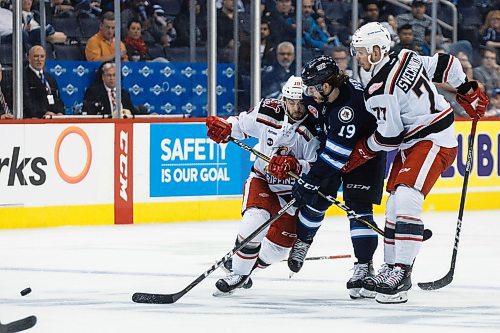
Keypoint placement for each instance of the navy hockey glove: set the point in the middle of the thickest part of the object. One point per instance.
(305, 191)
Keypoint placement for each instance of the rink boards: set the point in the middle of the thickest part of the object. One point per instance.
(97, 172)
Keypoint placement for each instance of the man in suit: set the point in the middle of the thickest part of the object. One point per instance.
(40, 91)
(100, 98)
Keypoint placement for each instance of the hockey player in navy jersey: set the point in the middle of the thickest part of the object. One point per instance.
(285, 132)
(336, 104)
(415, 119)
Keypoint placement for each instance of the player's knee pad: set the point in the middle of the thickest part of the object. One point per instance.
(252, 219)
(408, 201)
(271, 253)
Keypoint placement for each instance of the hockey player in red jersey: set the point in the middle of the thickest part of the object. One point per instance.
(415, 119)
(285, 133)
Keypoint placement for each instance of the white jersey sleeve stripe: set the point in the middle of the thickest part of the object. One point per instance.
(337, 149)
(334, 163)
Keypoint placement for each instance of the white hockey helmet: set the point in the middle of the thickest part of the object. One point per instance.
(370, 35)
(293, 88)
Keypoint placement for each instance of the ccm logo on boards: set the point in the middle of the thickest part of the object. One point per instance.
(123, 164)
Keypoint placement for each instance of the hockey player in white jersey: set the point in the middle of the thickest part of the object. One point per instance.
(285, 133)
(414, 118)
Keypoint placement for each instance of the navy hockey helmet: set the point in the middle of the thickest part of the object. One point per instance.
(319, 70)
(322, 69)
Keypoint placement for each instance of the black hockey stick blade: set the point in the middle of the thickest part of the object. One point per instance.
(438, 284)
(427, 234)
(156, 298)
(18, 325)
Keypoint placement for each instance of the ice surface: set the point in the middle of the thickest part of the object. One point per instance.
(83, 279)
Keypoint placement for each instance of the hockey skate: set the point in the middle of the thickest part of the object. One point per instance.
(297, 255)
(370, 283)
(355, 283)
(395, 287)
(228, 285)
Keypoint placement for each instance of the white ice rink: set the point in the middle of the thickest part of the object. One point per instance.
(83, 279)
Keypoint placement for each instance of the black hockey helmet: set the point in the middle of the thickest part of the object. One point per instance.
(319, 70)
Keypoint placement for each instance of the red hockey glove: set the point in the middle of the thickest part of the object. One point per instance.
(474, 103)
(359, 156)
(280, 165)
(218, 129)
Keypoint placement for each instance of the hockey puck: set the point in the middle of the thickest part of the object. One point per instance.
(26, 291)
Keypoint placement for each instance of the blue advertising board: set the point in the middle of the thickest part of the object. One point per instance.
(185, 162)
(163, 88)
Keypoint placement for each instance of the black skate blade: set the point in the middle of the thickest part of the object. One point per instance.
(155, 298)
(18, 325)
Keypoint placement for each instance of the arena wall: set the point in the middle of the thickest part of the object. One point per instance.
(98, 172)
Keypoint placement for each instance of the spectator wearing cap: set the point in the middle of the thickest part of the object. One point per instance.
(494, 110)
(417, 20)
(406, 40)
(169, 33)
(101, 46)
(489, 72)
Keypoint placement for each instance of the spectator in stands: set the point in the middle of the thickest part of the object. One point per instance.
(137, 50)
(342, 57)
(101, 46)
(276, 75)
(143, 12)
(6, 25)
(406, 41)
(5, 110)
(267, 47)
(100, 98)
(225, 42)
(494, 110)
(312, 36)
(371, 12)
(181, 24)
(491, 30)
(417, 20)
(41, 96)
(282, 18)
(31, 25)
(489, 72)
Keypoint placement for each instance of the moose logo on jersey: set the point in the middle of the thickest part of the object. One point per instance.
(346, 114)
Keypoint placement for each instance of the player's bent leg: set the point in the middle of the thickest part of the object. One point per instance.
(408, 238)
(364, 241)
(310, 220)
(244, 260)
(370, 283)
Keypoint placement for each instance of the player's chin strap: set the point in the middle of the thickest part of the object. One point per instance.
(350, 213)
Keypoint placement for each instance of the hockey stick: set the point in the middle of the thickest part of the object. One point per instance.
(339, 256)
(18, 325)
(172, 298)
(349, 211)
(446, 280)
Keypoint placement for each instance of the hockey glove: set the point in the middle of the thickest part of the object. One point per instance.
(218, 129)
(359, 155)
(280, 165)
(474, 103)
(305, 191)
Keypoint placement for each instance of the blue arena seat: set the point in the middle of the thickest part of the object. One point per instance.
(68, 52)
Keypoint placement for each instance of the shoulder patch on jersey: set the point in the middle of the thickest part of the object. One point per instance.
(346, 114)
(312, 110)
(374, 87)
